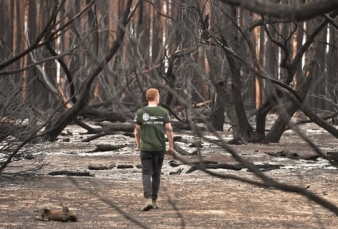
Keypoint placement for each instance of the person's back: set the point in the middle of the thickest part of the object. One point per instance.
(152, 121)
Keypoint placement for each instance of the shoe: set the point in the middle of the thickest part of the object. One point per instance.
(148, 204)
(155, 204)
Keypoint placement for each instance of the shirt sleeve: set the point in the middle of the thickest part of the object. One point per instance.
(166, 117)
(137, 118)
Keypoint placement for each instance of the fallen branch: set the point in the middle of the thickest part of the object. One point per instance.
(177, 172)
(181, 151)
(296, 156)
(70, 173)
(125, 166)
(237, 167)
(106, 147)
(213, 166)
(101, 167)
(96, 136)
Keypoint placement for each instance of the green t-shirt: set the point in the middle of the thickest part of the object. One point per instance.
(152, 121)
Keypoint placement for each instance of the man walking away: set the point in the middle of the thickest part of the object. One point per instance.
(152, 124)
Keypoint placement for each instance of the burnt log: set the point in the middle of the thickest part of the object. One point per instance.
(181, 151)
(293, 155)
(96, 136)
(113, 127)
(177, 172)
(103, 115)
(101, 167)
(214, 166)
(102, 134)
(90, 129)
(70, 173)
(107, 147)
(125, 166)
(237, 167)
(174, 163)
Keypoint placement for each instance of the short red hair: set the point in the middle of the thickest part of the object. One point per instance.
(151, 94)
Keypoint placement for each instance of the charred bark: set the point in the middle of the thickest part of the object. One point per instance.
(245, 129)
(219, 104)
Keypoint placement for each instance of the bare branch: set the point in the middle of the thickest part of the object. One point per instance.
(296, 12)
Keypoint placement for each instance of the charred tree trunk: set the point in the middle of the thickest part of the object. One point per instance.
(218, 109)
(245, 130)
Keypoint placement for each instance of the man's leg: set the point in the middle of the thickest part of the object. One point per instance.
(147, 171)
(158, 162)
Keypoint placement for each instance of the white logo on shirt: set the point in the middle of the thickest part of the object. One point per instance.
(145, 116)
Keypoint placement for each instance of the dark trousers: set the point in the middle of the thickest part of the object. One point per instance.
(151, 162)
